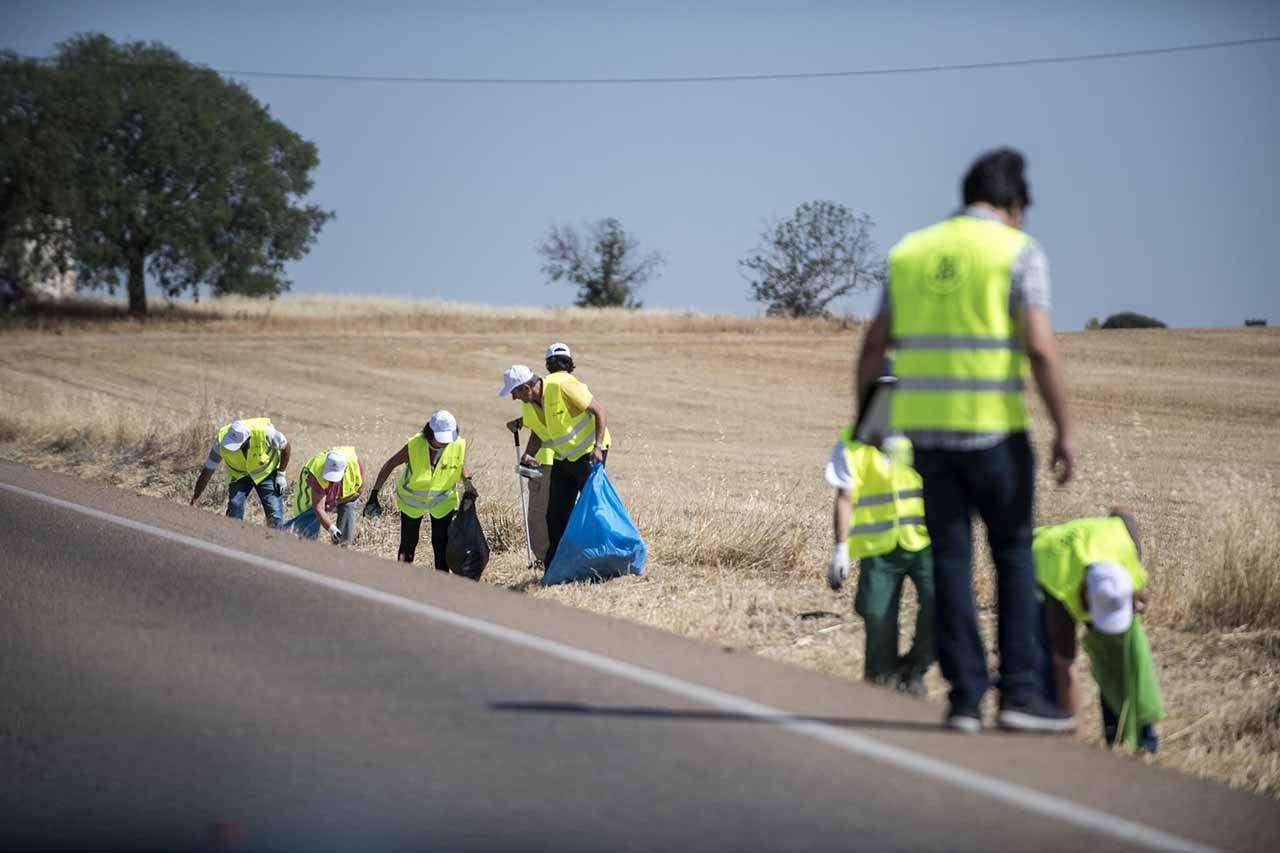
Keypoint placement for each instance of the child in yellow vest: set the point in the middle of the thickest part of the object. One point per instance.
(879, 521)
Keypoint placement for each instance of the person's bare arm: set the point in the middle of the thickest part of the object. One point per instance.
(317, 501)
(400, 457)
(840, 511)
(356, 495)
(875, 344)
(530, 459)
(597, 410)
(201, 482)
(1042, 351)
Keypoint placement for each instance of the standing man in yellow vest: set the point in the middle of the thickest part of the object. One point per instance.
(1090, 572)
(435, 462)
(331, 481)
(573, 425)
(879, 521)
(966, 308)
(256, 455)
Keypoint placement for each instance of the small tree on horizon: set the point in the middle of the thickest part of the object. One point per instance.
(605, 264)
(803, 263)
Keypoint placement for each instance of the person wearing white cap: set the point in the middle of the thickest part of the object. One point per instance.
(571, 422)
(435, 461)
(1090, 573)
(256, 455)
(559, 359)
(332, 480)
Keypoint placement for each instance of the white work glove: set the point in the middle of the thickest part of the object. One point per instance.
(839, 568)
(336, 533)
(282, 483)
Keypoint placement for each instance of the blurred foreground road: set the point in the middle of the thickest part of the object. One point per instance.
(172, 679)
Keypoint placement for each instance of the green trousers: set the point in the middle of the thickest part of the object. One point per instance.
(877, 600)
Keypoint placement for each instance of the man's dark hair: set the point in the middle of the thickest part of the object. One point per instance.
(997, 179)
(559, 362)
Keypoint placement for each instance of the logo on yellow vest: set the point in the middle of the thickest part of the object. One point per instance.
(946, 272)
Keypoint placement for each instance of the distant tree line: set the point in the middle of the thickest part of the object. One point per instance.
(131, 165)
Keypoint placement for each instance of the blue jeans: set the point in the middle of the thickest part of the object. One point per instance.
(272, 500)
(999, 484)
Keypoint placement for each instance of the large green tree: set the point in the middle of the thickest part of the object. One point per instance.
(820, 253)
(180, 177)
(606, 264)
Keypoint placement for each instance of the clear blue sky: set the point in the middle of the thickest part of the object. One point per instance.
(1155, 178)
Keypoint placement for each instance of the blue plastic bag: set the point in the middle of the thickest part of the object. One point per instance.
(600, 541)
(304, 525)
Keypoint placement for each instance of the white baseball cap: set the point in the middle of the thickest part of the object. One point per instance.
(335, 465)
(559, 348)
(513, 377)
(236, 435)
(1109, 591)
(444, 426)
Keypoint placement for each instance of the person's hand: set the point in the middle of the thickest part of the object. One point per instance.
(597, 455)
(514, 425)
(335, 534)
(282, 483)
(1140, 601)
(1061, 463)
(468, 488)
(373, 506)
(838, 570)
(528, 461)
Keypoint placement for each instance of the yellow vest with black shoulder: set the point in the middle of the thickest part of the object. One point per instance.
(532, 417)
(888, 507)
(256, 459)
(351, 479)
(424, 488)
(1063, 552)
(567, 437)
(958, 353)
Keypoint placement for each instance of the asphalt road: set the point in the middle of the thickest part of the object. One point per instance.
(172, 679)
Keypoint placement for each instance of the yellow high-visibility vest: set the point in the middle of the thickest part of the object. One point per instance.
(256, 459)
(424, 488)
(351, 479)
(958, 354)
(888, 505)
(1063, 552)
(569, 438)
(532, 418)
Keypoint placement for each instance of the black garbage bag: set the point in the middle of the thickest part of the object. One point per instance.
(468, 551)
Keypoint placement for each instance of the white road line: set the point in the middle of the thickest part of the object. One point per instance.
(1027, 799)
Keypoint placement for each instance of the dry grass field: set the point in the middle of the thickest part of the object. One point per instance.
(721, 425)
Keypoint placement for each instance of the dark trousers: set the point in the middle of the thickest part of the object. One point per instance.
(567, 480)
(877, 601)
(999, 484)
(411, 530)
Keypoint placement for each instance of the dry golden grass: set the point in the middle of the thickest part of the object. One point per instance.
(1175, 424)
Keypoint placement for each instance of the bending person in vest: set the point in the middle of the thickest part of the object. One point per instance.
(571, 422)
(435, 461)
(1090, 572)
(879, 521)
(331, 481)
(256, 455)
(966, 310)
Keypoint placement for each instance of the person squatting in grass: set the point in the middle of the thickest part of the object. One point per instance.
(256, 455)
(966, 310)
(879, 521)
(571, 422)
(331, 480)
(435, 462)
(1090, 573)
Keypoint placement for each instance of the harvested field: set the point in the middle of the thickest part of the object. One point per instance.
(1178, 425)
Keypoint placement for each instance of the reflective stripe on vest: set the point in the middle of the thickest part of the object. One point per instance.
(888, 507)
(958, 355)
(258, 461)
(351, 478)
(1063, 552)
(568, 437)
(426, 488)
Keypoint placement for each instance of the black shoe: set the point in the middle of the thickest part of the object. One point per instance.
(913, 687)
(963, 720)
(1038, 715)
